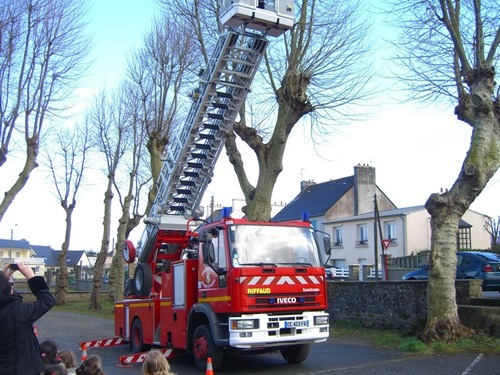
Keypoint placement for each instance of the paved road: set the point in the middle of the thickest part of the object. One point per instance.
(336, 356)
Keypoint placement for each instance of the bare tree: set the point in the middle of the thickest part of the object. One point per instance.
(449, 50)
(67, 162)
(42, 49)
(135, 182)
(492, 226)
(111, 130)
(320, 69)
(156, 75)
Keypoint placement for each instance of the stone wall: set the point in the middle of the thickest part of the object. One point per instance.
(388, 304)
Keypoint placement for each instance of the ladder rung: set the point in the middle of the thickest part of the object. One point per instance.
(180, 200)
(178, 208)
(240, 61)
(219, 105)
(236, 73)
(184, 191)
(222, 94)
(187, 182)
(207, 125)
(191, 173)
(208, 136)
(202, 146)
(198, 155)
(229, 84)
(215, 116)
(195, 164)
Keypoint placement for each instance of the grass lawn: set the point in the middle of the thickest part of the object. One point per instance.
(397, 340)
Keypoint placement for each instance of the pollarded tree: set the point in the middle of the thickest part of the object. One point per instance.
(321, 69)
(111, 128)
(450, 51)
(155, 77)
(129, 188)
(42, 48)
(67, 162)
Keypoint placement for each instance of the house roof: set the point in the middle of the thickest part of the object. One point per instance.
(47, 253)
(317, 199)
(73, 257)
(51, 256)
(385, 213)
(15, 244)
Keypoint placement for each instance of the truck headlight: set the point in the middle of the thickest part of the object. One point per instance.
(244, 324)
(320, 320)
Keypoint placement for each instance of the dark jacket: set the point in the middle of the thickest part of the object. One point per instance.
(19, 348)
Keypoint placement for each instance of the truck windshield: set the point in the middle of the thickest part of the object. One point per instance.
(273, 245)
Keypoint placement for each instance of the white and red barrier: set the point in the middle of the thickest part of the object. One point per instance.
(131, 359)
(115, 341)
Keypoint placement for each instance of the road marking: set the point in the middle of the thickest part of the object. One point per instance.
(471, 366)
(361, 366)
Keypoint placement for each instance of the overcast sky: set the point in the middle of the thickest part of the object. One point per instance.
(415, 150)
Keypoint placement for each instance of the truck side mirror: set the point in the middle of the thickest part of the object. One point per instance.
(208, 253)
(328, 245)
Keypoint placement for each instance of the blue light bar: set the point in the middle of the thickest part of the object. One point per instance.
(305, 216)
(226, 212)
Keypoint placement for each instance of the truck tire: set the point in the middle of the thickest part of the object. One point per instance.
(136, 345)
(143, 279)
(295, 353)
(203, 346)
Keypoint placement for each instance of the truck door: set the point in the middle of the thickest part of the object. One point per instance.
(213, 270)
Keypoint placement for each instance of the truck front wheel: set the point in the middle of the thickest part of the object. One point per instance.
(296, 353)
(204, 347)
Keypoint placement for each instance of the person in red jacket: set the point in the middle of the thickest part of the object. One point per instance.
(19, 348)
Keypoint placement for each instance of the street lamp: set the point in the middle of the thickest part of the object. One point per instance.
(11, 239)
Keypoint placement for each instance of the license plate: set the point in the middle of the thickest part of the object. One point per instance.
(296, 323)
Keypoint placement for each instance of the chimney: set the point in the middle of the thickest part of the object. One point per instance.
(364, 188)
(305, 184)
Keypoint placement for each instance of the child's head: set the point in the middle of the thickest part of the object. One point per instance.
(68, 358)
(55, 370)
(155, 363)
(91, 366)
(49, 352)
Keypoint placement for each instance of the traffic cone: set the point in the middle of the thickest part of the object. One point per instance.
(210, 370)
(84, 353)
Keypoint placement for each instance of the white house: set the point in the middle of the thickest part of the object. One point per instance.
(345, 208)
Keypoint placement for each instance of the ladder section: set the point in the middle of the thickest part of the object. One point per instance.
(190, 157)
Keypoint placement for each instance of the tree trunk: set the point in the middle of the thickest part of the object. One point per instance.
(62, 280)
(443, 323)
(29, 165)
(101, 257)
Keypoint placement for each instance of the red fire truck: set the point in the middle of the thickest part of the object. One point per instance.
(231, 285)
(225, 284)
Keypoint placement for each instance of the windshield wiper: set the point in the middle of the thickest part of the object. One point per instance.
(260, 264)
(298, 264)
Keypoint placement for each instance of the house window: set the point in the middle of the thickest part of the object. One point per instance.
(18, 255)
(464, 238)
(362, 235)
(337, 236)
(390, 231)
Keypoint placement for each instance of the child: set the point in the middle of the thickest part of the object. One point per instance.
(91, 366)
(55, 370)
(68, 359)
(49, 353)
(156, 364)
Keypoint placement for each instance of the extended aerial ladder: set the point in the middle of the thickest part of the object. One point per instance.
(192, 153)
